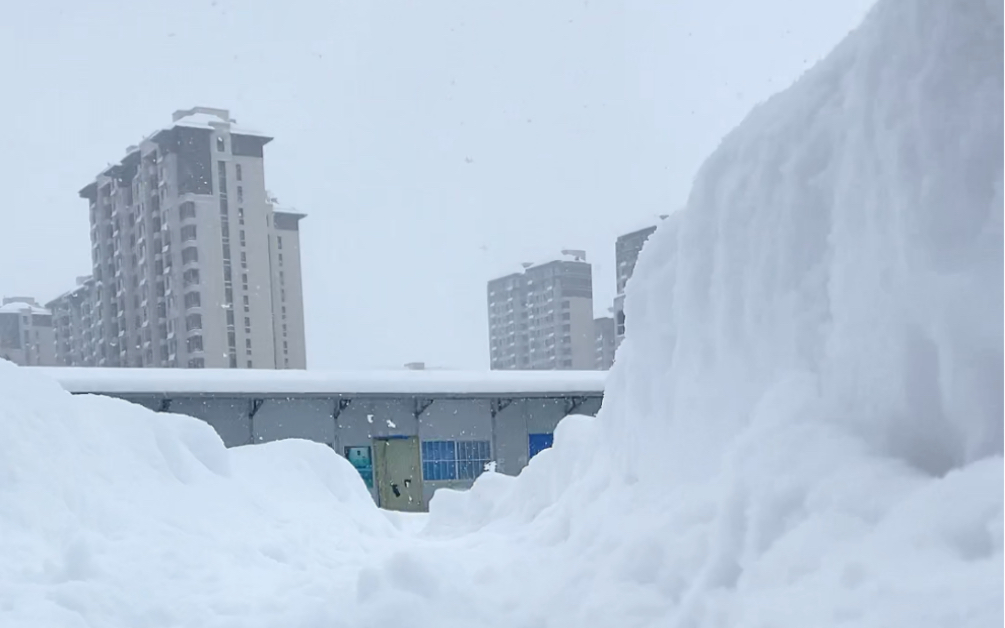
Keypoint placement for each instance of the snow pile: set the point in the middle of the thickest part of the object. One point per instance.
(112, 515)
(804, 426)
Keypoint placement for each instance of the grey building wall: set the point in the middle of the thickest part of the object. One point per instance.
(605, 332)
(626, 253)
(77, 325)
(182, 270)
(26, 333)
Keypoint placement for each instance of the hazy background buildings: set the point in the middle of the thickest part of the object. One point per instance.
(193, 264)
(424, 174)
(26, 334)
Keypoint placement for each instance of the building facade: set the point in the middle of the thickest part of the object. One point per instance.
(604, 330)
(408, 433)
(193, 266)
(626, 254)
(542, 318)
(26, 334)
(77, 325)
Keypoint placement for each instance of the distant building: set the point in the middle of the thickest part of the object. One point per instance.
(26, 335)
(193, 264)
(604, 331)
(542, 318)
(77, 325)
(626, 254)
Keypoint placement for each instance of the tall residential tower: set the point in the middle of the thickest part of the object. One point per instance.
(193, 265)
(626, 254)
(542, 318)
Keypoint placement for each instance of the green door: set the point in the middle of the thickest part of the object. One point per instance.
(399, 476)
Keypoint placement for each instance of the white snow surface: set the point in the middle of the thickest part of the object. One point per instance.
(303, 382)
(803, 427)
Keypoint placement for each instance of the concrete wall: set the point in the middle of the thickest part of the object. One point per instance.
(286, 260)
(584, 353)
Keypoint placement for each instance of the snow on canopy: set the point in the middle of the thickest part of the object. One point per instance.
(803, 428)
(298, 382)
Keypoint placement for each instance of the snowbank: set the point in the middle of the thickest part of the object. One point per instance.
(112, 515)
(804, 426)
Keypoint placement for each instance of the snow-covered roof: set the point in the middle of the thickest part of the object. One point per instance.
(293, 382)
(210, 121)
(17, 307)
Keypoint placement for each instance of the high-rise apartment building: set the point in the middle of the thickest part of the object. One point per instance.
(542, 318)
(26, 335)
(626, 254)
(604, 330)
(193, 265)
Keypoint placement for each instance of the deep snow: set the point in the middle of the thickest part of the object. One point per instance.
(803, 428)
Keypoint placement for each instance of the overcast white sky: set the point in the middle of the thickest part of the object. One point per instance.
(581, 119)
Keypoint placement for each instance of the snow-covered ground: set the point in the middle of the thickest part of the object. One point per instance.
(804, 426)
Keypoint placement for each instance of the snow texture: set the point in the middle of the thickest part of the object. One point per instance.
(245, 382)
(18, 307)
(803, 428)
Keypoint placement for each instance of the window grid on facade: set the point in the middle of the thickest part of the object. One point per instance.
(454, 460)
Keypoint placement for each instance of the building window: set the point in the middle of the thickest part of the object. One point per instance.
(238, 173)
(249, 364)
(193, 322)
(190, 277)
(242, 237)
(193, 344)
(186, 210)
(454, 460)
(221, 144)
(192, 299)
(240, 194)
(439, 460)
(279, 242)
(189, 255)
(188, 233)
(197, 363)
(247, 343)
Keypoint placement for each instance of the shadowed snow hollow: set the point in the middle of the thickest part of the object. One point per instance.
(803, 427)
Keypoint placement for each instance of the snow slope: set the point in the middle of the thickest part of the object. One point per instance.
(803, 428)
(804, 425)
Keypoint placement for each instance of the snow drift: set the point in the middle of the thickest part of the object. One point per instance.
(804, 425)
(803, 428)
